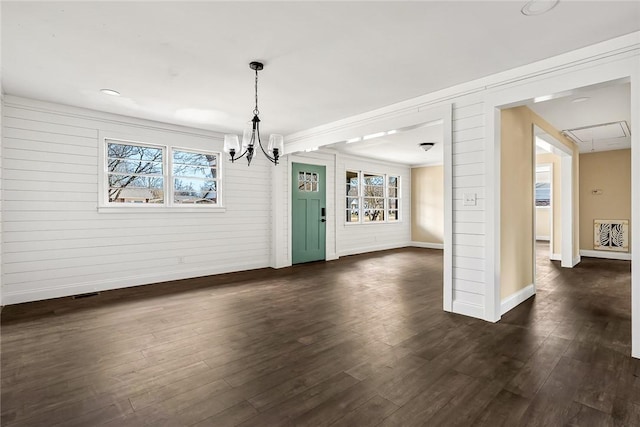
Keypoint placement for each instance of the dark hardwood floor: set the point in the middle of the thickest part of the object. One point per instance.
(361, 341)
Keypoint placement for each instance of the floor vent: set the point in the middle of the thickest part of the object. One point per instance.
(90, 294)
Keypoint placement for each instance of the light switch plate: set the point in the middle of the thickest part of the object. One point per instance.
(469, 199)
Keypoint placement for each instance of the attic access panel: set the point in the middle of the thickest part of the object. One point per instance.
(599, 132)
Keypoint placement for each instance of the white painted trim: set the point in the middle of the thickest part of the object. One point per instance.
(427, 245)
(278, 243)
(575, 261)
(545, 238)
(552, 206)
(467, 309)
(373, 248)
(493, 214)
(567, 232)
(512, 301)
(137, 280)
(606, 255)
(635, 208)
(555, 257)
(447, 263)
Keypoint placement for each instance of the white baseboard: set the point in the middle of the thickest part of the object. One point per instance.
(626, 256)
(427, 245)
(374, 248)
(547, 238)
(17, 297)
(555, 257)
(517, 298)
(468, 309)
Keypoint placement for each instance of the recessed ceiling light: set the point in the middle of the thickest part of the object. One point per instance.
(110, 92)
(542, 98)
(373, 135)
(538, 7)
(581, 99)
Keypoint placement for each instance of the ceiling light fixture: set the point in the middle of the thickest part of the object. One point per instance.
(426, 146)
(252, 133)
(110, 92)
(373, 135)
(538, 7)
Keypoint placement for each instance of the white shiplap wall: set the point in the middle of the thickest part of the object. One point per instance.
(468, 170)
(359, 238)
(1, 190)
(56, 243)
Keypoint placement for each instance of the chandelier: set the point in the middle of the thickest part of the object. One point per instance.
(252, 133)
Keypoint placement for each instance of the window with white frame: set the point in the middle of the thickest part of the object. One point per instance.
(147, 174)
(372, 197)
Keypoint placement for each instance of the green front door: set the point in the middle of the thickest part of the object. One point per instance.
(308, 213)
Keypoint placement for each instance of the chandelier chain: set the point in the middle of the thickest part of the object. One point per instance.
(255, 110)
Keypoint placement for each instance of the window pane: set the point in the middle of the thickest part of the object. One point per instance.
(133, 152)
(373, 203)
(195, 159)
(195, 191)
(373, 191)
(543, 194)
(194, 171)
(373, 215)
(122, 181)
(135, 189)
(196, 165)
(393, 181)
(393, 204)
(374, 180)
(134, 173)
(353, 209)
(393, 192)
(393, 215)
(134, 166)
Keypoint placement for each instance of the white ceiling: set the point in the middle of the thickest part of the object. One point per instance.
(400, 147)
(175, 61)
(605, 104)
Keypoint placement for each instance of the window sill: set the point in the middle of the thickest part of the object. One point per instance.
(161, 209)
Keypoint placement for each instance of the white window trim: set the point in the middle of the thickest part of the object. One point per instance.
(104, 206)
(386, 176)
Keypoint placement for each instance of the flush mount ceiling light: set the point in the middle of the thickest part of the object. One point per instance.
(110, 92)
(538, 7)
(426, 146)
(252, 133)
